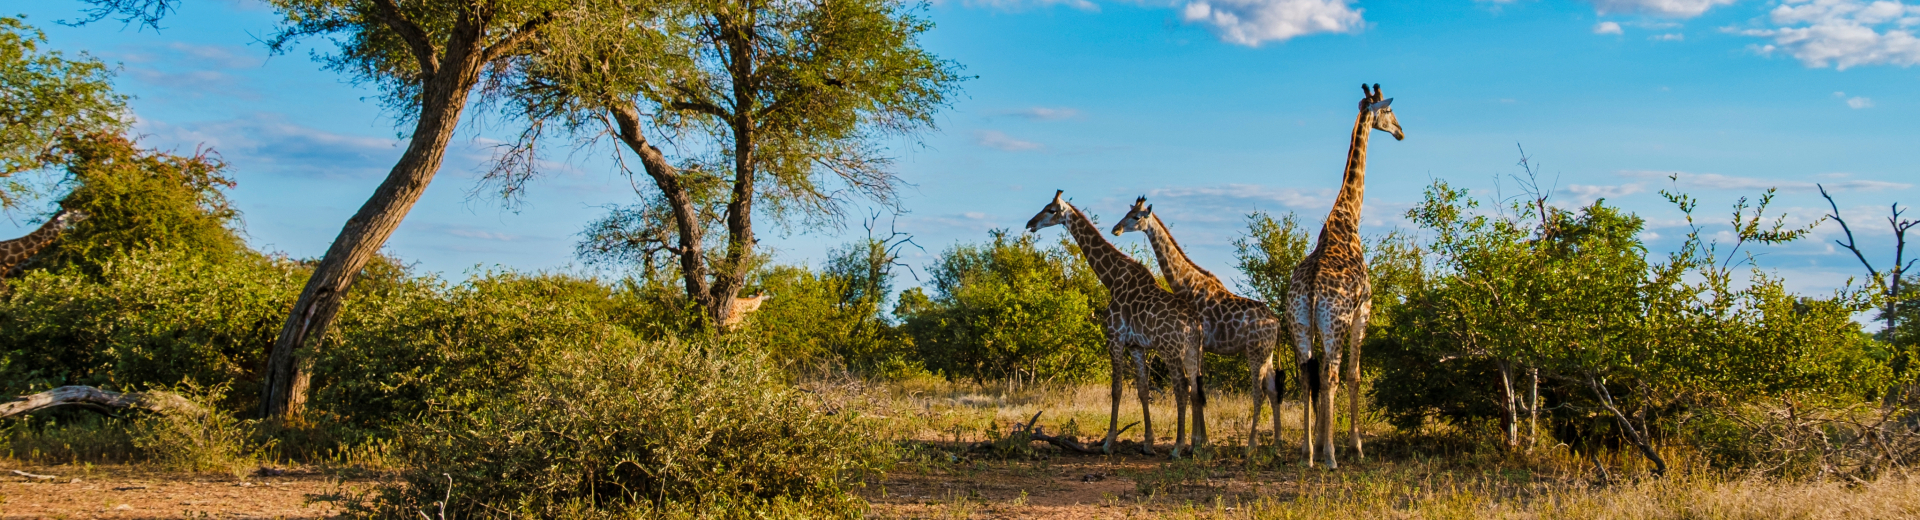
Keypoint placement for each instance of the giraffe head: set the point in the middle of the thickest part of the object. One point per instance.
(69, 217)
(1056, 213)
(1382, 110)
(1136, 219)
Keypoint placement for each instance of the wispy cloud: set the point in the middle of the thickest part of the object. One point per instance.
(1715, 181)
(1856, 102)
(1607, 28)
(480, 234)
(1253, 22)
(1666, 8)
(1842, 33)
(1001, 141)
(1047, 113)
(1668, 37)
(1584, 194)
(269, 142)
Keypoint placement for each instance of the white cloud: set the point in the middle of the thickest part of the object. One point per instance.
(1001, 141)
(1236, 195)
(1669, 37)
(480, 234)
(1252, 22)
(1842, 33)
(1607, 28)
(1715, 181)
(1859, 102)
(1047, 113)
(1668, 8)
(1584, 194)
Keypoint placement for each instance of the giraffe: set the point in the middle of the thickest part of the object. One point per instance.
(1141, 316)
(1229, 324)
(17, 251)
(1329, 296)
(742, 307)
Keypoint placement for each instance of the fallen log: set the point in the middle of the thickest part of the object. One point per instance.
(97, 398)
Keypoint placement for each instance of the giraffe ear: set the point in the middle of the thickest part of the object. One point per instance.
(1380, 105)
(1149, 209)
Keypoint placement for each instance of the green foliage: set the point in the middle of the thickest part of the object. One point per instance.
(45, 100)
(1268, 254)
(838, 313)
(139, 199)
(1010, 307)
(1573, 295)
(149, 319)
(634, 428)
(409, 344)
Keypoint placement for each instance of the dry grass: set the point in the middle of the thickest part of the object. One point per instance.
(1434, 475)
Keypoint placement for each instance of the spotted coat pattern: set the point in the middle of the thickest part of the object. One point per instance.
(1141, 318)
(1330, 297)
(1229, 323)
(17, 251)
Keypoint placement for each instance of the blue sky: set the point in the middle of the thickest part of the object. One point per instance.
(1212, 108)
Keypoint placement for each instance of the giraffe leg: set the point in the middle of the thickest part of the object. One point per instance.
(1309, 396)
(1261, 373)
(1146, 414)
(1199, 412)
(1181, 391)
(1355, 337)
(1118, 358)
(1330, 387)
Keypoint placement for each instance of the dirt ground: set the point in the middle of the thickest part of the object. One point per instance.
(1072, 487)
(133, 492)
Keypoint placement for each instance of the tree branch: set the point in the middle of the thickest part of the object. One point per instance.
(527, 32)
(701, 107)
(1849, 244)
(416, 39)
(87, 395)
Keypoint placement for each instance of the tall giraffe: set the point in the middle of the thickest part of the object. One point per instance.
(1329, 296)
(1229, 324)
(17, 251)
(1141, 316)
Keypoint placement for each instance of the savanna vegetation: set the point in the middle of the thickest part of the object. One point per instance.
(1525, 359)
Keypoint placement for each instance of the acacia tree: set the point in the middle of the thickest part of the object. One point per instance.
(776, 108)
(47, 102)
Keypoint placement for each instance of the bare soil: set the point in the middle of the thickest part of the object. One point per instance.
(131, 491)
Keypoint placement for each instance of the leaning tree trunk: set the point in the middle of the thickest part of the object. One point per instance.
(686, 220)
(443, 97)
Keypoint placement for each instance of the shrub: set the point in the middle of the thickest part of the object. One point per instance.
(141, 199)
(406, 344)
(149, 319)
(622, 427)
(1010, 308)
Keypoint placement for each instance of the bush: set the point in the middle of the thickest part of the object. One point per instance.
(406, 345)
(149, 319)
(141, 199)
(627, 427)
(1010, 309)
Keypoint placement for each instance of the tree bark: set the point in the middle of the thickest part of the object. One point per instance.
(1634, 435)
(90, 396)
(692, 254)
(738, 36)
(443, 97)
(1510, 422)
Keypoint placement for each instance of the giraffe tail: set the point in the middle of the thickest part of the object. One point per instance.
(1314, 369)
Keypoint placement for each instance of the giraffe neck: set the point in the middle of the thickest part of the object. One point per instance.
(1182, 273)
(1343, 223)
(13, 252)
(1111, 265)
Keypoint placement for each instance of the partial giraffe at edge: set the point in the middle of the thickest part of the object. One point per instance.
(1329, 296)
(18, 251)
